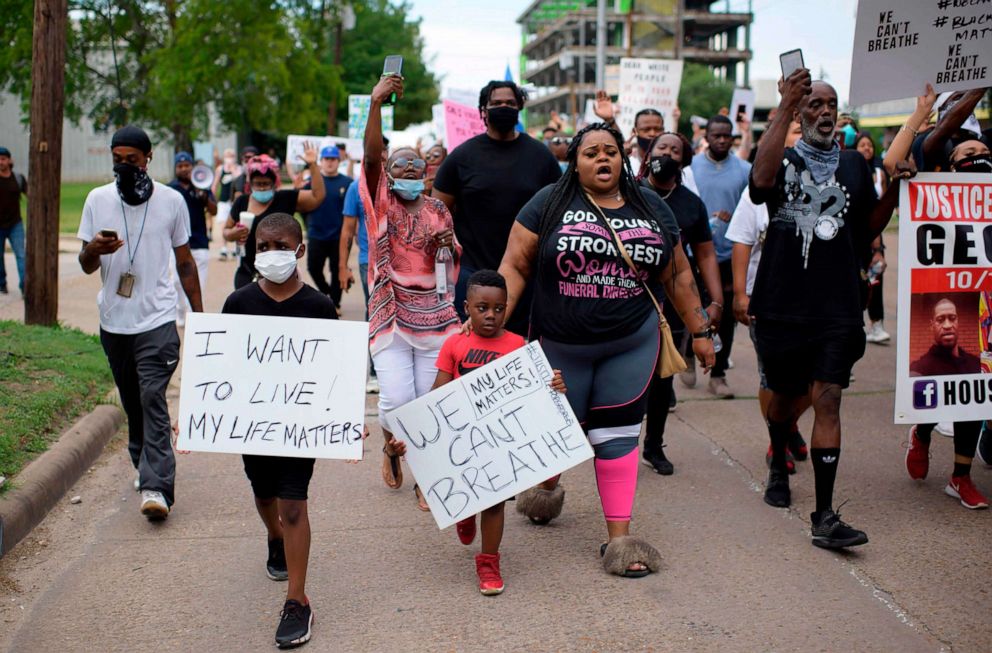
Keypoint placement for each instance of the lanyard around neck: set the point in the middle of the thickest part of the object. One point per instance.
(127, 237)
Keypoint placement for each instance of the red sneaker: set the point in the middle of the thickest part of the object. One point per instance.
(917, 457)
(962, 488)
(466, 530)
(487, 567)
(790, 461)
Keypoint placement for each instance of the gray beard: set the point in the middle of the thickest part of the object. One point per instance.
(814, 138)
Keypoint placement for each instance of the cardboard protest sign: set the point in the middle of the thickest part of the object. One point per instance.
(741, 102)
(274, 386)
(944, 362)
(899, 45)
(489, 435)
(648, 84)
(461, 123)
(294, 147)
(358, 115)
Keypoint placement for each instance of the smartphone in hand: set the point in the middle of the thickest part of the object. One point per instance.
(791, 62)
(393, 65)
(108, 233)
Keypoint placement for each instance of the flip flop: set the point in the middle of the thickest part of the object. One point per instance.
(421, 500)
(396, 481)
(628, 547)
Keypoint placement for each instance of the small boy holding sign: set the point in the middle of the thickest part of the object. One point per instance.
(487, 340)
(280, 484)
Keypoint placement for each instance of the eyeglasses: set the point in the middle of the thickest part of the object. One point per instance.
(561, 140)
(432, 156)
(403, 162)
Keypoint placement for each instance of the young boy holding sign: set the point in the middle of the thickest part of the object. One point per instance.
(280, 484)
(485, 304)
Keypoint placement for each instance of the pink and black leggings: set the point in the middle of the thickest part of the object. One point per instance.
(608, 390)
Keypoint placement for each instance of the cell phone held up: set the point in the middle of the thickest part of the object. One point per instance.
(791, 62)
(393, 65)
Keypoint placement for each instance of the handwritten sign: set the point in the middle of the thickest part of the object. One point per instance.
(648, 84)
(358, 115)
(489, 435)
(461, 122)
(899, 45)
(944, 350)
(355, 147)
(274, 386)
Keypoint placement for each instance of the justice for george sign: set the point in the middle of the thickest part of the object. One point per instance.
(944, 362)
(899, 45)
(648, 84)
(273, 386)
(489, 435)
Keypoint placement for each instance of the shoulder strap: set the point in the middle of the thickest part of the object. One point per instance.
(629, 261)
(22, 183)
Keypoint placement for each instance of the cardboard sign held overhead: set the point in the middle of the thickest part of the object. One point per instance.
(358, 115)
(900, 45)
(742, 102)
(489, 435)
(273, 386)
(354, 147)
(461, 122)
(648, 84)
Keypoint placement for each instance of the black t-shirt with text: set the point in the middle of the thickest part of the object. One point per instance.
(817, 243)
(491, 181)
(307, 302)
(284, 201)
(586, 291)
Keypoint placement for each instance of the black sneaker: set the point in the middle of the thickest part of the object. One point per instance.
(672, 402)
(829, 532)
(3, 289)
(659, 462)
(797, 446)
(294, 625)
(275, 566)
(777, 492)
(984, 450)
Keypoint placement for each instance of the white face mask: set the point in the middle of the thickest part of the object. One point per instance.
(277, 265)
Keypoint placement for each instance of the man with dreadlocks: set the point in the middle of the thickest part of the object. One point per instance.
(487, 179)
(595, 313)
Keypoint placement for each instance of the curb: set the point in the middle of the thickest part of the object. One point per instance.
(41, 485)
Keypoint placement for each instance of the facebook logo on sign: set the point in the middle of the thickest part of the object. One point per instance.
(925, 394)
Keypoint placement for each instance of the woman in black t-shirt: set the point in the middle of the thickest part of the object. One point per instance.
(263, 178)
(596, 319)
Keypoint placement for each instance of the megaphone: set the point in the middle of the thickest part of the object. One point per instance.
(202, 177)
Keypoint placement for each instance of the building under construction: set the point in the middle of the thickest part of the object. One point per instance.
(558, 55)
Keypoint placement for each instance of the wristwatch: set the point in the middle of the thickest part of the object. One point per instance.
(699, 335)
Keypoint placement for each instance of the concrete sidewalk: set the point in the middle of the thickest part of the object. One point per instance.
(738, 575)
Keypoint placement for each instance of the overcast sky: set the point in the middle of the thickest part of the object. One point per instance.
(473, 40)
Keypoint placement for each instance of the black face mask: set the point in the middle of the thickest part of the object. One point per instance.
(663, 168)
(644, 143)
(133, 184)
(977, 163)
(502, 119)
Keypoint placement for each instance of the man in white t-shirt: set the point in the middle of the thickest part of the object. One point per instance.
(130, 230)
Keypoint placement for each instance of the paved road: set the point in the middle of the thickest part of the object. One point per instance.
(738, 575)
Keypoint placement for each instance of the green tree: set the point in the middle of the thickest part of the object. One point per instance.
(702, 93)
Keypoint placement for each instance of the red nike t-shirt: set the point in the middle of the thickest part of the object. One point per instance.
(460, 354)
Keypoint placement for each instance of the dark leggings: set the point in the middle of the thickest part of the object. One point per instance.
(727, 324)
(659, 399)
(876, 312)
(965, 436)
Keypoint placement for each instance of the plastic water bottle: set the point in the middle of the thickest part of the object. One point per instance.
(717, 343)
(875, 273)
(444, 274)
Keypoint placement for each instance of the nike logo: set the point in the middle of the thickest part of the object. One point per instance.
(172, 362)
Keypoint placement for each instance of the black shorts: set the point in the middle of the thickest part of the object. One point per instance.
(275, 477)
(796, 354)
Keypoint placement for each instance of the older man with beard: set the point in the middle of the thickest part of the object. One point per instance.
(808, 293)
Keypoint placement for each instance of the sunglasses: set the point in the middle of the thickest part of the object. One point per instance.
(561, 140)
(403, 162)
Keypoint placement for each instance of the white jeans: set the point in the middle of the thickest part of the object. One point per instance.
(404, 374)
(202, 258)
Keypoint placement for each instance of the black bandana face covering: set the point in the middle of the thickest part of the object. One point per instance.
(133, 184)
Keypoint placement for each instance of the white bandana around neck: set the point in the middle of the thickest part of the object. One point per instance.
(822, 164)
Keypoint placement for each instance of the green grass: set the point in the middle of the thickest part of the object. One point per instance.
(71, 205)
(48, 378)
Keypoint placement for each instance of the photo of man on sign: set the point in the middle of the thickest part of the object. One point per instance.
(952, 316)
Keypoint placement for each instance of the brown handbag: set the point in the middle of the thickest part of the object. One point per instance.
(670, 361)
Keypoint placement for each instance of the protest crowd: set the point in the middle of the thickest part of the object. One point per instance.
(631, 258)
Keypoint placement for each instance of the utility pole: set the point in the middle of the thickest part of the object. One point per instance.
(600, 44)
(41, 288)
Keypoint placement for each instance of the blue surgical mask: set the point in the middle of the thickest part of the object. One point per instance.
(263, 196)
(408, 189)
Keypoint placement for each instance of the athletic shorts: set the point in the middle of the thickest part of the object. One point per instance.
(275, 477)
(796, 354)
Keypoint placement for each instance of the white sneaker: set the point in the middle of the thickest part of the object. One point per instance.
(372, 387)
(688, 377)
(946, 429)
(153, 505)
(137, 482)
(876, 334)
